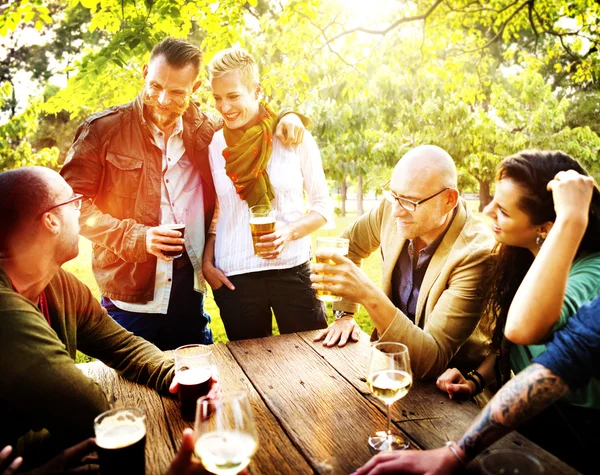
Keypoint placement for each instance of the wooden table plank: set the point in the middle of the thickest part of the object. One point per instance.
(426, 414)
(121, 392)
(328, 420)
(276, 452)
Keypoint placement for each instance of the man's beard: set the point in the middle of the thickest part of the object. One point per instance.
(164, 118)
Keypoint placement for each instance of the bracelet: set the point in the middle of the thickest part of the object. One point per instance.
(450, 445)
(469, 377)
(207, 260)
(476, 377)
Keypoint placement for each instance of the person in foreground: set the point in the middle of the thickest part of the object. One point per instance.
(546, 217)
(570, 360)
(434, 252)
(46, 314)
(251, 168)
(138, 166)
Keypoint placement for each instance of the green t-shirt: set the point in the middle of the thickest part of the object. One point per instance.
(583, 286)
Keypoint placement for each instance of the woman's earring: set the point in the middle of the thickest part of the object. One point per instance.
(539, 240)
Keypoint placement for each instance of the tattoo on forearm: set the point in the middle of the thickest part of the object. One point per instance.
(524, 396)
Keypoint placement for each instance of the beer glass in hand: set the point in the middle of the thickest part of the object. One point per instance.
(193, 371)
(262, 222)
(226, 437)
(390, 378)
(121, 440)
(176, 222)
(335, 245)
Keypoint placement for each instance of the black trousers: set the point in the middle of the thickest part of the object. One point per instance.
(246, 311)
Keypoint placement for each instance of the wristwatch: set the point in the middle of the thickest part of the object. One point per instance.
(341, 314)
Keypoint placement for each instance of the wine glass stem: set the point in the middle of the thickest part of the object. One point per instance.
(389, 419)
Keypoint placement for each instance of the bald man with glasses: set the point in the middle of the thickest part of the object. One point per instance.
(433, 253)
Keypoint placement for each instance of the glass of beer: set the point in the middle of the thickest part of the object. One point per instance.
(262, 222)
(193, 371)
(330, 244)
(176, 222)
(390, 378)
(226, 437)
(121, 440)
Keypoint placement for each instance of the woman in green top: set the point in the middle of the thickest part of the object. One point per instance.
(547, 264)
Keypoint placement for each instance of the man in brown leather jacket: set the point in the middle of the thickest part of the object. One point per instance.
(137, 164)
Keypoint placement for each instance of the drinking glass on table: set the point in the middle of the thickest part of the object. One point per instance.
(121, 441)
(335, 245)
(226, 437)
(510, 462)
(262, 222)
(193, 371)
(390, 378)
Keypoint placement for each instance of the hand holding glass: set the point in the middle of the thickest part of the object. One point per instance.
(226, 437)
(193, 371)
(390, 378)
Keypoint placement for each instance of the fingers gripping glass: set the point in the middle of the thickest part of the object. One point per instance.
(409, 205)
(75, 199)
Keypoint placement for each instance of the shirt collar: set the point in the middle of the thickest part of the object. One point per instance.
(178, 129)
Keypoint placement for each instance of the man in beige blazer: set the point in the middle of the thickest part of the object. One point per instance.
(433, 252)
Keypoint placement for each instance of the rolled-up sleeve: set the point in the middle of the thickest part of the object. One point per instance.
(315, 184)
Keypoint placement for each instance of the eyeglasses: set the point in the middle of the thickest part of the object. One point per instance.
(75, 199)
(409, 205)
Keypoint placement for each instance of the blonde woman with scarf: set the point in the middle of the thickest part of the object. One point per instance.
(251, 167)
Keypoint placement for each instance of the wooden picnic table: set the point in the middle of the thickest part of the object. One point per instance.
(312, 406)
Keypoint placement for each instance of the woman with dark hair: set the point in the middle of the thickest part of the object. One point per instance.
(546, 219)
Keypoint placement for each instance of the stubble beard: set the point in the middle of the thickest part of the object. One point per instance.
(163, 120)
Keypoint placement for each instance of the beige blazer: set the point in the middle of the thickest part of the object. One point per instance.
(449, 305)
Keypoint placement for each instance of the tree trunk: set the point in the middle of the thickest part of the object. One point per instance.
(343, 195)
(484, 194)
(359, 197)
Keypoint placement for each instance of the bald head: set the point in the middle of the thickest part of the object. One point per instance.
(427, 166)
(25, 193)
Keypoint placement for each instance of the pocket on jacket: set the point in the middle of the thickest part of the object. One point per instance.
(103, 257)
(123, 175)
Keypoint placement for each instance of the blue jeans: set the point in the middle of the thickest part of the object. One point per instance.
(184, 323)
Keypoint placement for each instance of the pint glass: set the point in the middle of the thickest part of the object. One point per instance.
(121, 441)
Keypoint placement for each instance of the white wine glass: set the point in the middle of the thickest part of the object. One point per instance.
(390, 378)
(226, 437)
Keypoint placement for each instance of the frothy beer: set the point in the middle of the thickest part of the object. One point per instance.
(181, 229)
(121, 441)
(330, 246)
(261, 226)
(193, 384)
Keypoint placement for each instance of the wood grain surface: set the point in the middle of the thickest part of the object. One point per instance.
(314, 411)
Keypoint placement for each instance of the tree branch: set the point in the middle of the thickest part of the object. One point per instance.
(385, 31)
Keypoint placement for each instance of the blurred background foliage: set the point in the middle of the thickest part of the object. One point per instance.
(481, 78)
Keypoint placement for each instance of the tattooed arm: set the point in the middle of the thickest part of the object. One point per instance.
(524, 396)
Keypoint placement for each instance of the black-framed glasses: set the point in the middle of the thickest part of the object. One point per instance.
(76, 199)
(409, 205)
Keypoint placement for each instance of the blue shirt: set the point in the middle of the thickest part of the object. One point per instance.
(574, 352)
(409, 273)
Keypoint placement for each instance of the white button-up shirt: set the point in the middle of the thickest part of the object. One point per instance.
(292, 171)
(181, 187)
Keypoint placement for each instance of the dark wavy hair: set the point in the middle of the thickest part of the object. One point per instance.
(531, 170)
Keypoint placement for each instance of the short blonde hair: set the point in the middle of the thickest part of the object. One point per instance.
(234, 59)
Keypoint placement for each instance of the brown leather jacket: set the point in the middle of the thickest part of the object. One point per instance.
(116, 165)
